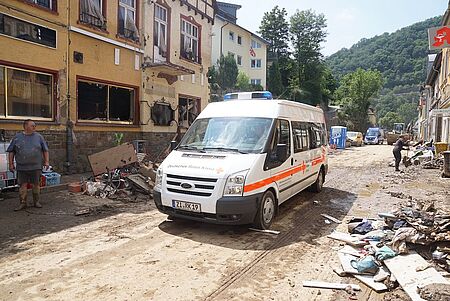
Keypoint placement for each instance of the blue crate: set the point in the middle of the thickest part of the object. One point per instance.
(52, 178)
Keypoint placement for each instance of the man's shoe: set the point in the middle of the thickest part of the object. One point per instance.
(37, 204)
(21, 207)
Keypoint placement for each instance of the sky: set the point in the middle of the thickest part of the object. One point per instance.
(348, 21)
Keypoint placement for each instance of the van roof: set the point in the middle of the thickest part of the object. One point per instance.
(273, 108)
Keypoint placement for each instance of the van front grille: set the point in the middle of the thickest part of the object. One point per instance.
(203, 187)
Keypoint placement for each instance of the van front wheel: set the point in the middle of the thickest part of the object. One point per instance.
(318, 184)
(266, 211)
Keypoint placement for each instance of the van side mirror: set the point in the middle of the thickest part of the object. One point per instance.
(282, 152)
(173, 145)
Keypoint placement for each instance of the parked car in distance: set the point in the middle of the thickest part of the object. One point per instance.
(355, 138)
(374, 136)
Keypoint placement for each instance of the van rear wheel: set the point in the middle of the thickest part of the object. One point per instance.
(266, 211)
(318, 184)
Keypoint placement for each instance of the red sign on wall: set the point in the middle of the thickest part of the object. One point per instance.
(439, 37)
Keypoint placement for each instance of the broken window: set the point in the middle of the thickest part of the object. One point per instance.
(127, 20)
(188, 110)
(25, 93)
(23, 30)
(162, 114)
(91, 12)
(160, 33)
(190, 41)
(102, 102)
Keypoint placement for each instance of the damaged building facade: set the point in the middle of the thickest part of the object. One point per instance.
(90, 69)
(434, 103)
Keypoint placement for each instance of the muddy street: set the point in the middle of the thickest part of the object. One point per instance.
(130, 251)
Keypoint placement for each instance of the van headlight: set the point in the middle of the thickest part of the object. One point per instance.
(159, 177)
(235, 183)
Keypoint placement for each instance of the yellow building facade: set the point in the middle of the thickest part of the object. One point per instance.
(80, 69)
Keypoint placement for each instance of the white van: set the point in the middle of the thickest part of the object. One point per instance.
(241, 159)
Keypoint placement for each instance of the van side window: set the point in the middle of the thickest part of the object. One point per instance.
(317, 135)
(301, 136)
(280, 139)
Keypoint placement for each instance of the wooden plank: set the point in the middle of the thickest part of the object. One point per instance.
(347, 238)
(338, 286)
(403, 267)
(333, 219)
(112, 158)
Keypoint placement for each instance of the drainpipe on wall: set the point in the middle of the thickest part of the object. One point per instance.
(69, 124)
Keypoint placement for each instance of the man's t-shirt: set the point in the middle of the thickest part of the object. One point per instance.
(398, 146)
(28, 151)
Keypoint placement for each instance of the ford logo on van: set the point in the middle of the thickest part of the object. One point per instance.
(186, 185)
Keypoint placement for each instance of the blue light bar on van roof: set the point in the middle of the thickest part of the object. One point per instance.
(248, 95)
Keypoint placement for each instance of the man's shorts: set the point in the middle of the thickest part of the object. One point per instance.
(28, 176)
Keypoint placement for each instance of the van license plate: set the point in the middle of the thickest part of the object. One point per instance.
(194, 207)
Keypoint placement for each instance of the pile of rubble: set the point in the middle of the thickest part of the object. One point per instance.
(409, 246)
(119, 172)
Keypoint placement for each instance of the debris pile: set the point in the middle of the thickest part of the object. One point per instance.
(119, 172)
(409, 247)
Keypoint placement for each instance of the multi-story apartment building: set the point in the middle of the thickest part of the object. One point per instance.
(249, 49)
(81, 70)
(177, 58)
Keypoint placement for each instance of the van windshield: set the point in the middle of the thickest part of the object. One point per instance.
(243, 134)
(372, 132)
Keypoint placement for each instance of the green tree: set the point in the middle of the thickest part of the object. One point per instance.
(274, 83)
(243, 82)
(227, 73)
(307, 31)
(214, 88)
(355, 93)
(388, 120)
(408, 112)
(275, 29)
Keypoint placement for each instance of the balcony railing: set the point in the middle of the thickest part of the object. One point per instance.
(92, 20)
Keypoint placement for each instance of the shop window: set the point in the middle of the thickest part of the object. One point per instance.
(160, 33)
(105, 103)
(188, 110)
(91, 13)
(26, 31)
(127, 20)
(25, 94)
(190, 41)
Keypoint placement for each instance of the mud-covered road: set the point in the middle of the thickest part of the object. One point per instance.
(130, 251)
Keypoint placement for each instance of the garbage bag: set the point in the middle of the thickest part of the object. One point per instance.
(365, 265)
(363, 228)
(385, 253)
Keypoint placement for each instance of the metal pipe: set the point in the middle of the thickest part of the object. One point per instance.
(69, 124)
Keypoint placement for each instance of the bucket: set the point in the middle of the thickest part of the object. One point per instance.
(440, 147)
(446, 172)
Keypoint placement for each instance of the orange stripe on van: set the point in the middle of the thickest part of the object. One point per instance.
(279, 176)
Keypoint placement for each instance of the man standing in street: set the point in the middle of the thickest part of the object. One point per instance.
(30, 150)
(399, 145)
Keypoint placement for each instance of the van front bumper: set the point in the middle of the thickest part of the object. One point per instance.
(239, 210)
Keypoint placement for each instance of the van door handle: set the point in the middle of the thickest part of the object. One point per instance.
(292, 161)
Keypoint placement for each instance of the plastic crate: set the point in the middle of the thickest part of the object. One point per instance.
(52, 178)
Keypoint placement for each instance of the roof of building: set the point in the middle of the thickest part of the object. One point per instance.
(252, 34)
(231, 5)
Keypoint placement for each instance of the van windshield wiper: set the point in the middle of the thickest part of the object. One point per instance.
(190, 147)
(221, 148)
